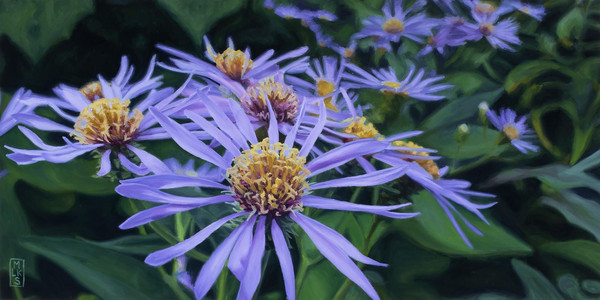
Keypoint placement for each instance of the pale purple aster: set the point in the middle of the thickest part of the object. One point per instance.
(104, 121)
(15, 106)
(484, 8)
(515, 130)
(234, 67)
(452, 32)
(292, 12)
(244, 248)
(325, 75)
(345, 52)
(500, 34)
(446, 5)
(397, 23)
(535, 11)
(414, 85)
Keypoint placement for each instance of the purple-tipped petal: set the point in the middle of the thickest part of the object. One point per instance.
(285, 260)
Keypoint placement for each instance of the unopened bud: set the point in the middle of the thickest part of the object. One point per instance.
(483, 108)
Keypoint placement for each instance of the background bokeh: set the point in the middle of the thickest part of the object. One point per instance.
(542, 242)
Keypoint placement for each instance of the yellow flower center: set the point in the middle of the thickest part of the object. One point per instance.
(361, 129)
(269, 179)
(324, 88)
(484, 8)
(431, 40)
(283, 100)
(525, 9)
(511, 132)
(348, 53)
(394, 85)
(427, 164)
(107, 121)
(233, 63)
(393, 25)
(486, 28)
(92, 91)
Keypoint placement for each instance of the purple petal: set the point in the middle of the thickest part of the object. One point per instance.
(239, 255)
(344, 154)
(40, 123)
(314, 134)
(172, 181)
(251, 279)
(147, 193)
(273, 130)
(104, 164)
(217, 134)
(285, 260)
(154, 164)
(225, 123)
(326, 203)
(155, 213)
(369, 179)
(135, 169)
(163, 256)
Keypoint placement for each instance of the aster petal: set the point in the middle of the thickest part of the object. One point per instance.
(249, 284)
(104, 164)
(163, 256)
(67, 152)
(225, 123)
(155, 213)
(189, 142)
(242, 122)
(332, 204)
(144, 192)
(214, 131)
(35, 139)
(344, 154)
(285, 260)
(129, 165)
(213, 266)
(238, 260)
(314, 134)
(336, 256)
(273, 129)
(172, 181)
(40, 123)
(291, 135)
(150, 161)
(369, 179)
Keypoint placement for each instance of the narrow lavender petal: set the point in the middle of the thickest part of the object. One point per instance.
(336, 256)
(273, 129)
(285, 260)
(154, 164)
(73, 96)
(189, 142)
(144, 192)
(314, 134)
(35, 139)
(62, 113)
(163, 256)
(135, 169)
(402, 136)
(40, 123)
(327, 203)
(225, 123)
(454, 223)
(171, 181)
(291, 136)
(242, 122)
(238, 259)
(369, 179)
(219, 135)
(213, 266)
(67, 152)
(340, 241)
(104, 164)
(365, 164)
(344, 154)
(155, 213)
(249, 284)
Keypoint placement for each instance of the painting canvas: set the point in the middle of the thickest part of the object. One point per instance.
(279, 149)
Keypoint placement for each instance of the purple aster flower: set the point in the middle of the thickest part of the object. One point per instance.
(15, 106)
(104, 121)
(326, 75)
(516, 131)
(414, 85)
(269, 182)
(482, 8)
(397, 23)
(500, 34)
(346, 52)
(535, 11)
(234, 67)
(453, 32)
(446, 5)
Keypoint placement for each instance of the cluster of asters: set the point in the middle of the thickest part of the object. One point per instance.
(463, 21)
(263, 128)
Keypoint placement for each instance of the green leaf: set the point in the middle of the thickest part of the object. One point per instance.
(479, 142)
(134, 244)
(36, 25)
(535, 284)
(108, 274)
(459, 109)
(528, 71)
(583, 252)
(571, 24)
(578, 210)
(196, 17)
(433, 229)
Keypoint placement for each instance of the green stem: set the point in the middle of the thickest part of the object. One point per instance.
(18, 294)
(222, 285)
(173, 284)
(355, 195)
(301, 274)
(134, 209)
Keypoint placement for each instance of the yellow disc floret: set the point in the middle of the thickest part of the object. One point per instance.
(324, 88)
(233, 63)
(486, 28)
(92, 91)
(511, 131)
(393, 25)
(484, 8)
(107, 121)
(361, 129)
(427, 164)
(269, 179)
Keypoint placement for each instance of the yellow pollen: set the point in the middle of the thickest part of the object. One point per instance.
(348, 53)
(484, 8)
(525, 9)
(486, 28)
(92, 91)
(431, 40)
(393, 25)
(427, 164)
(107, 121)
(511, 132)
(362, 130)
(233, 63)
(269, 179)
(324, 88)
(394, 86)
